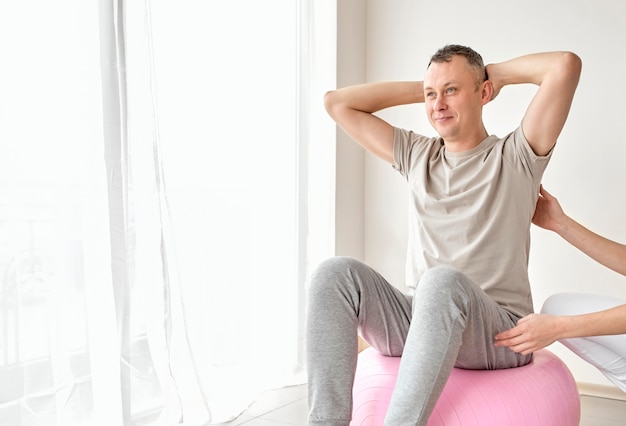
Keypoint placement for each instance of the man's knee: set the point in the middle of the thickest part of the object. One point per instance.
(332, 273)
(442, 285)
(441, 277)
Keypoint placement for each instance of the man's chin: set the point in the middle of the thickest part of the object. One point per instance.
(442, 132)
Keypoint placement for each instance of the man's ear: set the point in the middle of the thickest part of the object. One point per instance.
(488, 92)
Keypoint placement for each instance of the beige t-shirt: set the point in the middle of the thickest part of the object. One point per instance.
(472, 210)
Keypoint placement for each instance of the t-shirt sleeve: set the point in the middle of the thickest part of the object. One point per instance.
(522, 154)
(401, 150)
(407, 147)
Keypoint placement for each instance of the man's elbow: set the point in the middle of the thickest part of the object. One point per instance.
(332, 103)
(570, 66)
(330, 100)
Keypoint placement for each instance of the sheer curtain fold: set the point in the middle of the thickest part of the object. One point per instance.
(141, 388)
(155, 266)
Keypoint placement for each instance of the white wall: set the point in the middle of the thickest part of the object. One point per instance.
(349, 195)
(587, 171)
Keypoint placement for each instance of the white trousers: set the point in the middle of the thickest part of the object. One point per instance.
(607, 353)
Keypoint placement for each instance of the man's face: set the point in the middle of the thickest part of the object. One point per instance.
(453, 105)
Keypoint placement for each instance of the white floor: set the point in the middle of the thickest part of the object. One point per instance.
(602, 412)
(288, 406)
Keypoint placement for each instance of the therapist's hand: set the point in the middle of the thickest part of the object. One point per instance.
(533, 332)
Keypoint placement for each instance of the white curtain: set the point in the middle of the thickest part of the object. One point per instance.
(166, 186)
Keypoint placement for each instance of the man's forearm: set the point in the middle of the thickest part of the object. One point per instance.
(372, 97)
(531, 68)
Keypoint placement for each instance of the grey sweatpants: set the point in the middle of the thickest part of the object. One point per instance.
(448, 322)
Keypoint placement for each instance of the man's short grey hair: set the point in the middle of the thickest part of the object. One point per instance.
(474, 60)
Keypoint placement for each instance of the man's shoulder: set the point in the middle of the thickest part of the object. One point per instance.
(411, 148)
(515, 136)
(411, 137)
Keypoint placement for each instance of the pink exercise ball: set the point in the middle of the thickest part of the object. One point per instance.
(542, 393)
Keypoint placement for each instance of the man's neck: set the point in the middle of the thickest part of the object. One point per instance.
(468, 143)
